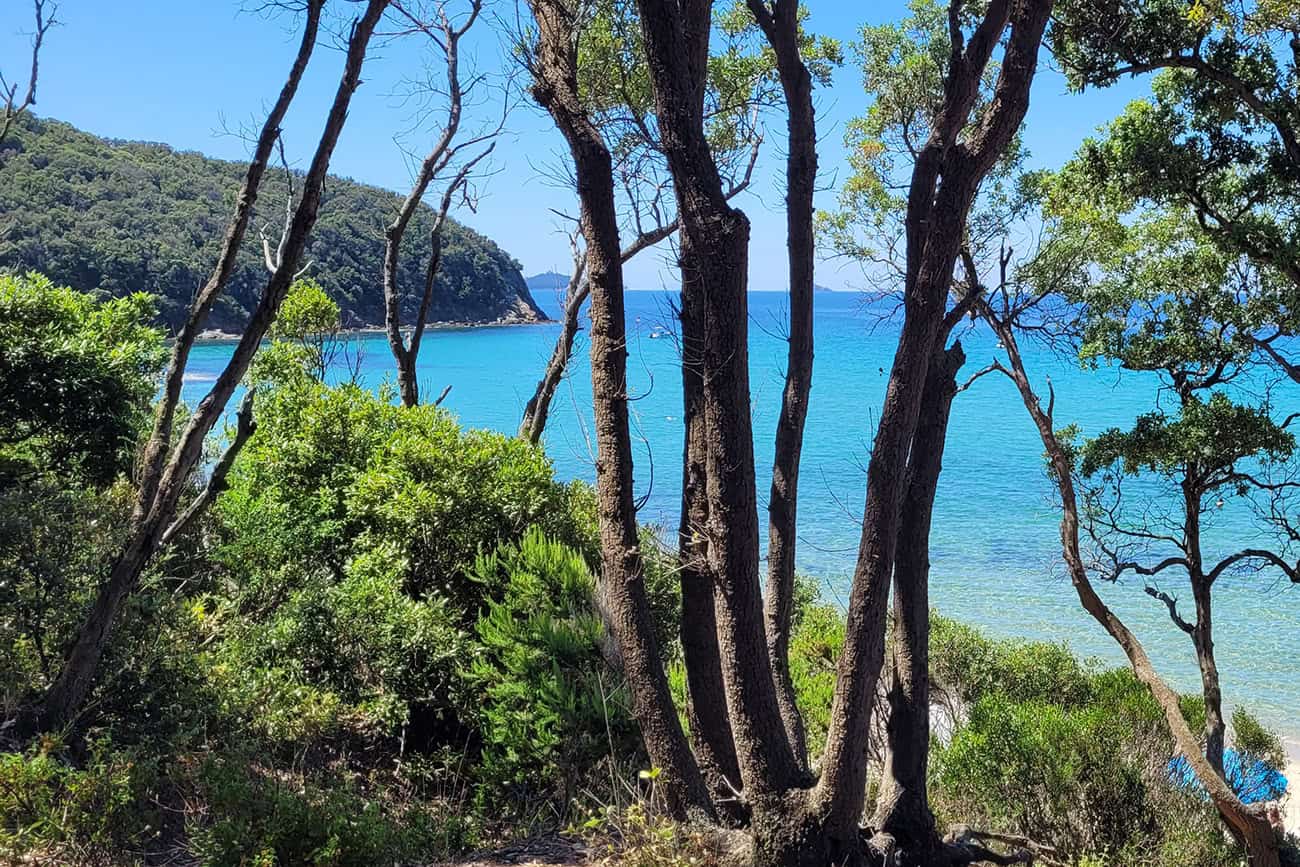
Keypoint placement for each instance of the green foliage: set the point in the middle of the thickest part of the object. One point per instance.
(53, 812)
(1253, 740)
(1217, 137)
(965, 660)
(816, 639)
(904, 65)
(552, 710)
(334, 473)
(54, 537)
(1066, 754)
(304, 337)
(134, 217)
(76, 379)
(259, 820)
(1211, 435)
(353, 660)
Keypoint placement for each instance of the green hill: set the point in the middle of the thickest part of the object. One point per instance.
(128, 216)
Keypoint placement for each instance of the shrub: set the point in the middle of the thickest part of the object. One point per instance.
(54, 537)
(53, 812)
(259, 817)
(357, 658)
(1066, 754)
(76, 379)
(552, 709)
(333, 473)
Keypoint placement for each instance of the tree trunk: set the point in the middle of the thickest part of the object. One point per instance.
(157, 502)
(1202, 631)
(706, 689)
(538, 408)
(903, 806)
(622, 580)
(1203, 639)
(781, 27)
(945, 180)
(714, 248)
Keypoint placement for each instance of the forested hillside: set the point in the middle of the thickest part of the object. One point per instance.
(132, 216)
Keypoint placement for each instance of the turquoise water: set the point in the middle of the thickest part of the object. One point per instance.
(995, 551)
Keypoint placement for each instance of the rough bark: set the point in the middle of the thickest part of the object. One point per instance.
(622, 584)
(780, 24)
(1247, 824)
(945, 179)
(705, 686)
(902, 806)
(714, 255)
(1202, 632)
(164, 483)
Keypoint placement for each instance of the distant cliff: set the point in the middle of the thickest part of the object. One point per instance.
(129, 216)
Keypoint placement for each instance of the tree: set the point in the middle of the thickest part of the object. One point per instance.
(612, 85)
(14, 107)
(780, 25)
(1218, 138)
(170, 457)
(1148, 296)
(553, 62)
(444, 162)
(905, 67)
(795, 820)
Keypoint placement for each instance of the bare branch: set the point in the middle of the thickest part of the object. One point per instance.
(45, 12)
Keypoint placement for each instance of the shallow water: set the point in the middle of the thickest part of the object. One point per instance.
(995, 552)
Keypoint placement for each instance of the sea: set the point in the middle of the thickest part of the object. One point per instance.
(995, 551)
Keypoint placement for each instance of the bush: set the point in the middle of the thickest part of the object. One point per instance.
(333, 473)
(1066, 754)
(53, 812)
(76, 379)
(358, 659)
(260, 817)
(552, 711)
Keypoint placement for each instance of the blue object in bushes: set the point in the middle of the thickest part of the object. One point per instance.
(1251, 779)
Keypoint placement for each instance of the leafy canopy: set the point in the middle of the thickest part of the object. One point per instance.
(77, 376)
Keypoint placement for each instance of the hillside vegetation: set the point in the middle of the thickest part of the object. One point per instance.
(124, 217)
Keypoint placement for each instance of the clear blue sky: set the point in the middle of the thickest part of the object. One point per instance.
(177, 71)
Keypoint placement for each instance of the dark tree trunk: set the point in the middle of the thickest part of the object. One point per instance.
(1203, 639)
(903, 806)
(163, 485)
(781, 26)
(1202, 630)
(714, 247)
(706, 689)
(945, 179)
(622, 581)
(538, 408)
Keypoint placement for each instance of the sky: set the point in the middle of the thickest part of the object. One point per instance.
(186, 72)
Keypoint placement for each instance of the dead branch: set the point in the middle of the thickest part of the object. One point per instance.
(14, 107)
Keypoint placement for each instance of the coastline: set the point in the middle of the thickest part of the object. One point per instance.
(217, 335)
